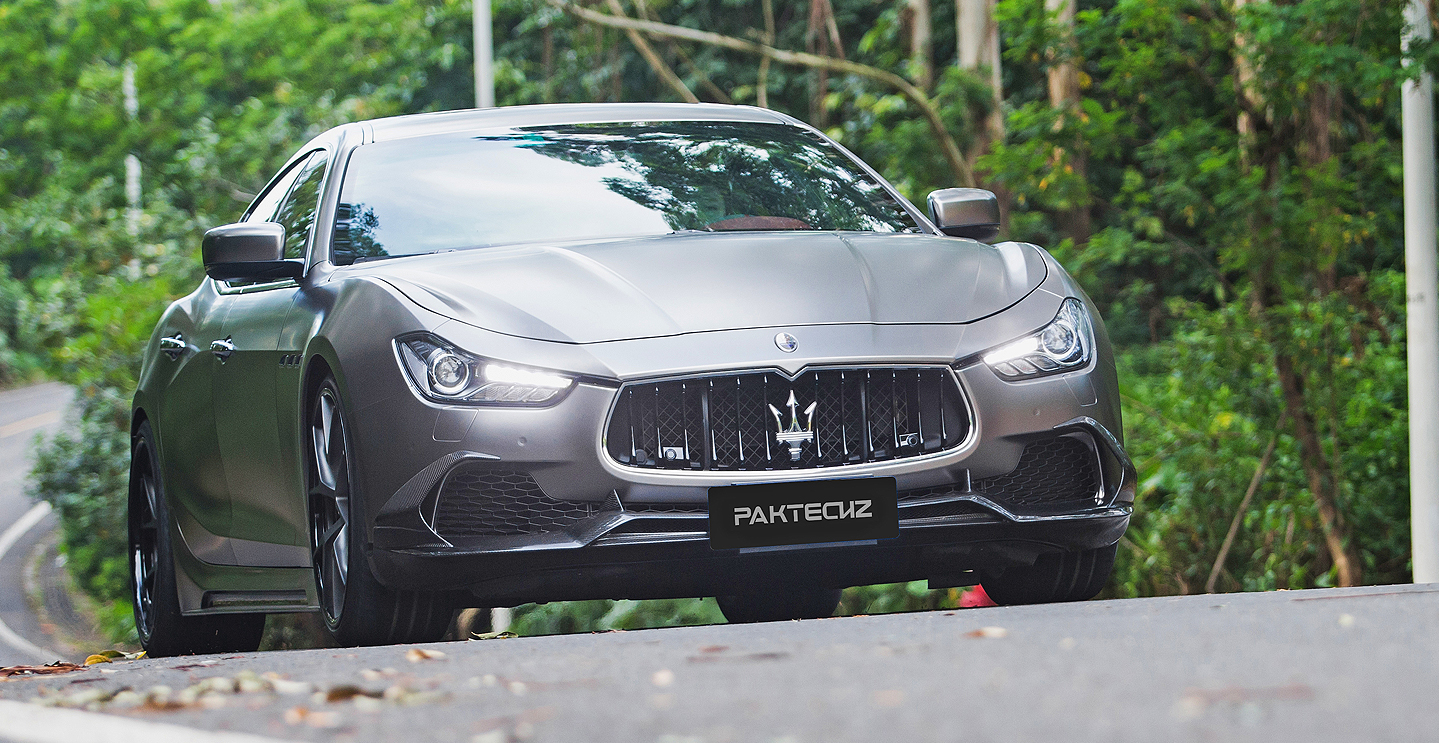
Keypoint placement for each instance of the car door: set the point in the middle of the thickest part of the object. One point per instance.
(189, 450)
(267, 502)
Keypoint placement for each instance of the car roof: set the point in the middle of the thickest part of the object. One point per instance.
(415, 125)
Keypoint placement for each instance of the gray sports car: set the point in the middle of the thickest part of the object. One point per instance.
(547, 353)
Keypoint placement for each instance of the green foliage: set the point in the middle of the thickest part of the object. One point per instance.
(602, 616)
(1214, 249)
(84, 474)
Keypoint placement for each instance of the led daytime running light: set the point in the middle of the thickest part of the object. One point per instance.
(447, 374)
(1063, 345)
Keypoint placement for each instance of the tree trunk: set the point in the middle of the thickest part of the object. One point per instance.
(978, 36)
(816, 42)
(1322, 483)
(660, 68)
(1064, 95)
(921, 43)
(547, 63)
(943, 138)
(761, 92)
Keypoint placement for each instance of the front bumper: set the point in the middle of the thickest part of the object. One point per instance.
(644, 532)
(658, 547)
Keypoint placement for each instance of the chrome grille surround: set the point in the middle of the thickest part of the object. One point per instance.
(730, 421)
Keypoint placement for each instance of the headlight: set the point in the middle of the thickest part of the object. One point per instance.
(447, 374)
(1063, 345)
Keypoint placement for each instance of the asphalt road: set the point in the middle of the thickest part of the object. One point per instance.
(24, 413)
(1322, 665)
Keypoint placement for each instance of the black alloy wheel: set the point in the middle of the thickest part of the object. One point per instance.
(329, 503)
(1054, 577)
(357, 608)
(163, 628)
(144, 538)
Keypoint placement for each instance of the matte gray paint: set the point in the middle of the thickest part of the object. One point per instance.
(230, 434)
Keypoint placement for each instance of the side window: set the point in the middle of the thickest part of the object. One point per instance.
(297, 212)
(264, 209)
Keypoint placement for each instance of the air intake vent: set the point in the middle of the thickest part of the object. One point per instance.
(478, 502)
(1054, 475)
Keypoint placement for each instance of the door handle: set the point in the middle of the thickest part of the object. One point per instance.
(173, 346)
(222, 349)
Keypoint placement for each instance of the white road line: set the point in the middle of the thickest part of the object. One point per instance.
(7, 540)
(29, 723)
(29, 424)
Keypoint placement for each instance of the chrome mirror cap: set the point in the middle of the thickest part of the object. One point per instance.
(965, 212)
(248, 250)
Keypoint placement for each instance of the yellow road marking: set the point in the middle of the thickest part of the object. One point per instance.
(29, 424)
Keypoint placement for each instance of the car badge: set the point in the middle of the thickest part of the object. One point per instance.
(794, 436)
(786, 343)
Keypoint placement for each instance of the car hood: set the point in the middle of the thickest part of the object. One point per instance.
(690, 283)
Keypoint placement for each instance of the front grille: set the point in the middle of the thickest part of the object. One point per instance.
(1054, 474)
(728, 422)
(476, 502)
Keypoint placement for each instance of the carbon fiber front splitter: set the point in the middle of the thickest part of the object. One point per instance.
(645, 557)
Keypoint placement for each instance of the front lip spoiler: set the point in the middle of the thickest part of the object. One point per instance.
(679, 562)
(626, 527)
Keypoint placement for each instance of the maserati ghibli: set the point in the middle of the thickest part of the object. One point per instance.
(548, 353)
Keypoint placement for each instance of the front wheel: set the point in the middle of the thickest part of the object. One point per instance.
(163, 629)
(1054, 577)
(779, 605)
(357, 609)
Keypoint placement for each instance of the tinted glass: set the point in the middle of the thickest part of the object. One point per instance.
(450, 192)
(297, 213)
(264, 209)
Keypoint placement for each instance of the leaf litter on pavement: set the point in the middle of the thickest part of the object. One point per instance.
(247, 687)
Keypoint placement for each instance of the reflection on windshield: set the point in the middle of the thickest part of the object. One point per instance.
(455, 191)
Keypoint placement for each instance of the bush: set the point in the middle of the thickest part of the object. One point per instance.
(83, 472)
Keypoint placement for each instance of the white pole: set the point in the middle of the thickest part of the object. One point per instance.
(1421, 276)
(500, 619)
(484, 56)
(132, 163)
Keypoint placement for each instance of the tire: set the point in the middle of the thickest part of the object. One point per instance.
(357, 609)
(778, 605)
(163, 630)
(1054, 577)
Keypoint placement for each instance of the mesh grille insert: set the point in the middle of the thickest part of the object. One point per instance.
(1055, 474)
(477, 502)
(746, 422)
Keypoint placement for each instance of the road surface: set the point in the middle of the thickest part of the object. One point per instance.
(24, 413)
(1322, 665)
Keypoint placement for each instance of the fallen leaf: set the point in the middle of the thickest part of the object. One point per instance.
(990, 633)
(416, 655)
(47, 669)
(889, 698)
(286, 686)
(303, 715)
(493, 636)
(346, 692)
(96, 658)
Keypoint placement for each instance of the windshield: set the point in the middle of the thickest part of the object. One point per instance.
(457, 191)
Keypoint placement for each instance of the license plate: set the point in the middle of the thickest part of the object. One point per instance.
(808, 512)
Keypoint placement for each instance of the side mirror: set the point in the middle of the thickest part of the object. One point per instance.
(248, 250)
(965, 212)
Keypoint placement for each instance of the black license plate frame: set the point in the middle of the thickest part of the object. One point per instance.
(800, 512)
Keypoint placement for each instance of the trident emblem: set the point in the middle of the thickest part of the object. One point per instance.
(794, 436)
